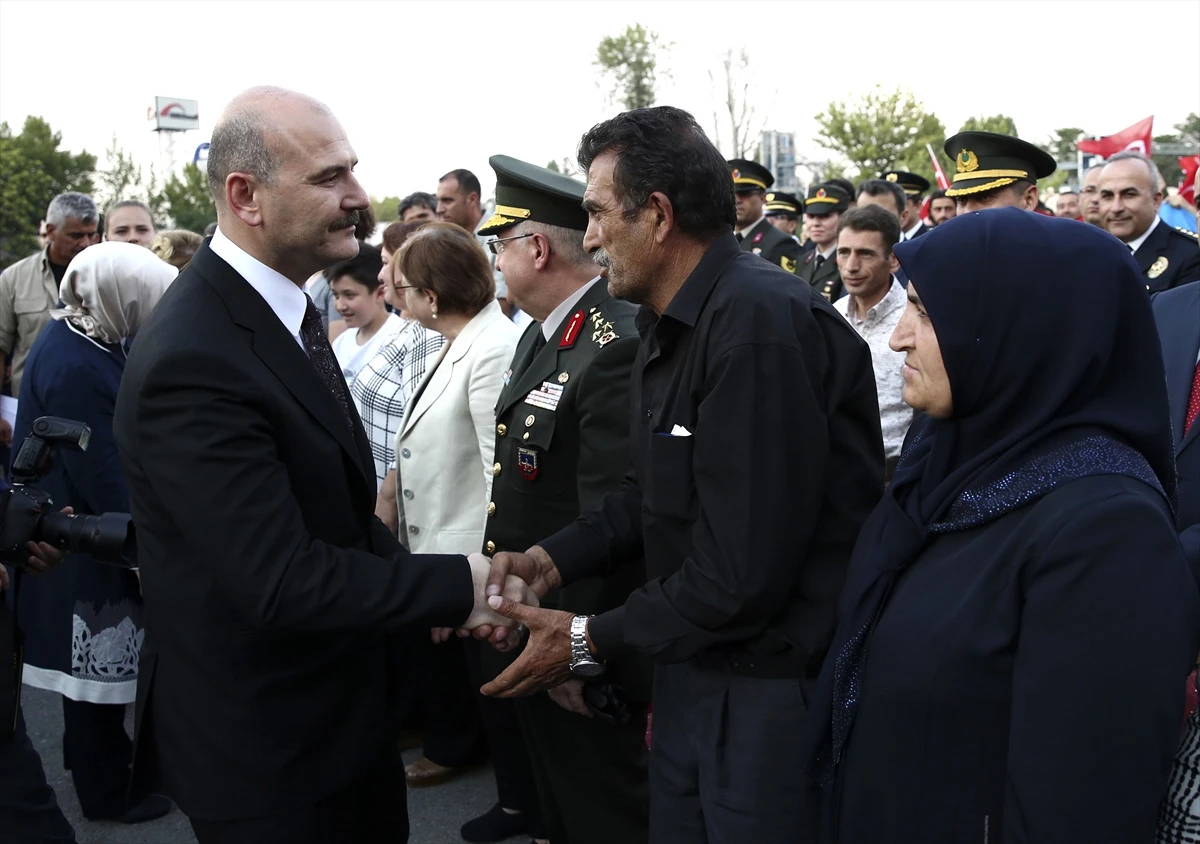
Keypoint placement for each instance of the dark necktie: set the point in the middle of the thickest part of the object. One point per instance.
(739, 236)
(820, 261)
(1193, 408)
(539, 343)
(316, 345)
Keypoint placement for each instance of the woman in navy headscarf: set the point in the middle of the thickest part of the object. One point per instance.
(1018, 617)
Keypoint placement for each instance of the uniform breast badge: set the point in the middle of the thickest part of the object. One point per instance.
(788, 264)
(527, 463)
(1158, 267)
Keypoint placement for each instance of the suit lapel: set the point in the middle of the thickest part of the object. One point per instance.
(1149, 251)
(522, 358)
(432, 385)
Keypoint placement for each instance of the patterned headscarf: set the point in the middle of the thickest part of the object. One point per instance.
(109, 289)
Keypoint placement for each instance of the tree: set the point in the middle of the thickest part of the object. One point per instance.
(629, 62)
(882, 131)
(387, 210)
(187, 199)
(33, 170)
(1187, 132)
(1001, 124)
(1062, 143)
(734, 106)
(121, 179)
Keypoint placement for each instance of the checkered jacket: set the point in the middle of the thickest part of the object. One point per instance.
(383, 387)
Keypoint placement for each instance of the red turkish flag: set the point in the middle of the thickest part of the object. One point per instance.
(1137, 138)
(1187, 184)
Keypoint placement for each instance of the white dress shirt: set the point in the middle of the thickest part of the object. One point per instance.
(560, 313)
(287, 300)
(1136, 244)
(911, 233)
(742, 232)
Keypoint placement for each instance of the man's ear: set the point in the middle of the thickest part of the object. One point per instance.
(664, 215)
(241, 195)
(893, 263)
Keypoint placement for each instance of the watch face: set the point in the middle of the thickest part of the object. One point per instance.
(587, 669)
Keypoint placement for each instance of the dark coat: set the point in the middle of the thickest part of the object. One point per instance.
(1177, 313)
(569, 458)
(826, 280)
(269, 584)
(779, 248)
(1168, 258)
(1024, 679)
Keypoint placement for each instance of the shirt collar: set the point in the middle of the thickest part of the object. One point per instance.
(894, 298)
(1136, 243)
(750, 228)
(688, 301)
(554, 321)
(911, 233)
(288, 301)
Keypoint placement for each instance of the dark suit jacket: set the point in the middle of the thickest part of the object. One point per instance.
(574, 455)
(268, 582)
(1168, 258)
(826, 280)
(1177, 313)
(770, 243)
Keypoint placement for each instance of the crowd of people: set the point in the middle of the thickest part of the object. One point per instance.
(708, 512)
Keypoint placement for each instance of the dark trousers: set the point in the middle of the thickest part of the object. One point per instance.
(447, 702)
(97, 751)
(29, 814)
(511, 765)
(591, 775)
(726, 764)
(371, 810)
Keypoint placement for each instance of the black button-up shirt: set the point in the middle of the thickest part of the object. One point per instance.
(757, 456)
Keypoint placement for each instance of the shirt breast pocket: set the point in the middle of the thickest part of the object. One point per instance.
(669, 486)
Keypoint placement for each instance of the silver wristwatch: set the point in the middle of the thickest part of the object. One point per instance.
(583, 665)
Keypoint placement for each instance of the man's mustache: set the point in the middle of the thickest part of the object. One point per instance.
(351, 220)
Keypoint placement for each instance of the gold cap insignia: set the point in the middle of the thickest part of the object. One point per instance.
(967, 161)
(770, 197)
(737, 174)
(892, 177)
(1158, 267)
(821, 193)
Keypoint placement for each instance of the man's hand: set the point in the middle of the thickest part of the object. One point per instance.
(570, 697)
(483, 622)
(42, 556)
(546, 660)
(534, 567)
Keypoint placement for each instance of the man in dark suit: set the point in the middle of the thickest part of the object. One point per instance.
(754, 231)
(1177, 313)
(1130, 193)
(562, 443)
(914, 187)
(270, 588)
(823, 209)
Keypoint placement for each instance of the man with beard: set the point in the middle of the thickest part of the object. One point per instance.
(753, 230)
(822, 211)
(756, 457)
(914, 187)
(941, 208)
(994, 171)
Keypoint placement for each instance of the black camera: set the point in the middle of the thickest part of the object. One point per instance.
(27, 513)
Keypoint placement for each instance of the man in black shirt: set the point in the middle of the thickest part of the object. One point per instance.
(757, 456)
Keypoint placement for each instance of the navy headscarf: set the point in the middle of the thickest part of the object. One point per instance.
(1051, 350)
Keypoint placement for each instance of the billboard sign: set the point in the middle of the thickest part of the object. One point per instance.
(175, 115)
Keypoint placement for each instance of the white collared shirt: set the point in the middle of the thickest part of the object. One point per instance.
(742, 232)
(560, 313)
(1136, 244)
(288, 301)
(911, 233)
(876, 327)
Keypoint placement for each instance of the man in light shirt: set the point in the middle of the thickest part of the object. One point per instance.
(873, 304)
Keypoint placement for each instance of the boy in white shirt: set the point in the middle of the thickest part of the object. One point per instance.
(358, 297)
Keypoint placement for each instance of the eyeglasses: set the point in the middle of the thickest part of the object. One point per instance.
(497, 248)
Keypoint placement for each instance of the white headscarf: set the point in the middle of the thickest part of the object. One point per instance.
(109, 289)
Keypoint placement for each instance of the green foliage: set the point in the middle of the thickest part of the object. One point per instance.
(629, 62)
(1001, 124)
(121, 179)
(387, 209)
(1189, 130)
(33, 170)
(187, 201)
(880, 131)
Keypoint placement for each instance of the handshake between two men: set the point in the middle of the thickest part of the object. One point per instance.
(507, 592)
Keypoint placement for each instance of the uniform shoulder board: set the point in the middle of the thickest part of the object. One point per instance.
(1189, 233)
(603, 331)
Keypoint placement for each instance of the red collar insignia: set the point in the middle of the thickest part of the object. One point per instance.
(758, 237)
(571, 334)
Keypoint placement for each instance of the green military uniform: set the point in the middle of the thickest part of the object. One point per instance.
(822, 273)
(562, 443)
(762, 238)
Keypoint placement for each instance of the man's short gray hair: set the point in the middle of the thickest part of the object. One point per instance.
(1129, 155)
(71, 205)
(239, 145)
(568, 243)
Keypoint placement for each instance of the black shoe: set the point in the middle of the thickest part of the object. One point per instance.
(494, 825)
(152, 807)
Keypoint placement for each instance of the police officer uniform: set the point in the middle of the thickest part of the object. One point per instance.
(562, 443)
(988, 161)
(787, 205)
(914, 187)
(819, 271)
(762, 238)
(1168, 257)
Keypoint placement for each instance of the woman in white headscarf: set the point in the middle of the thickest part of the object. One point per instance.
(82, 622)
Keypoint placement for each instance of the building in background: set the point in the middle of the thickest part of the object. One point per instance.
(777, 152)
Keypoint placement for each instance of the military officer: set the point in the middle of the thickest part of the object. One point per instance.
(562, 430)
(994, 171)
(756, 234)
(1130, 194)
(914, 187)
(783, 212)
(823, 209)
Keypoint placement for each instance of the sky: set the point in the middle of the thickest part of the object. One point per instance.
(425, 87)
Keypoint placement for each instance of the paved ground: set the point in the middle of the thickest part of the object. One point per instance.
(435, 814)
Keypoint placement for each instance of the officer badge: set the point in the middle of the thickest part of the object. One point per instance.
(788, 264)
(967, 161)
(770, 197)
(821, 193)
(892, 177)
(757, 250)
(1158, 267)
(527, 463)
(605, 338)
(737, 174)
